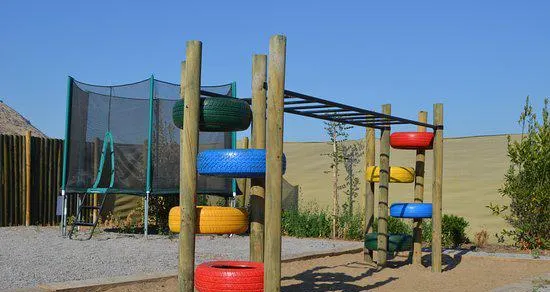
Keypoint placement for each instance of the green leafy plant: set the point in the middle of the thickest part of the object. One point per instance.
(395, 226)
(453, 231)
(527, 183)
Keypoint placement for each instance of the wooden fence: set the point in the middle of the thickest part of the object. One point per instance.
(29, 180)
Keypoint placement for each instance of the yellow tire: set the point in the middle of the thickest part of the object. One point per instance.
(398, 174)
(213, 220)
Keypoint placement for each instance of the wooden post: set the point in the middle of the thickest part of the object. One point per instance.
(274, 162)
(419, 193)
(384, 190)
(437, 188)
(257, 185)
(370, 157)
(245, 182)
(28, 179)
(188, 164)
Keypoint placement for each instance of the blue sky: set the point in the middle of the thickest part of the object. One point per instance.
(479, 58)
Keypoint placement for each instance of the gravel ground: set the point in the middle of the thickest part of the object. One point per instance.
(34, 255)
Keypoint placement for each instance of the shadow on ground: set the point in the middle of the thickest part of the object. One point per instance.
(325, 278)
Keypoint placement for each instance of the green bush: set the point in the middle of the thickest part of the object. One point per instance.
(453, 231)
(306, 223)
(350, 226)
(395, 226)
(527, 183)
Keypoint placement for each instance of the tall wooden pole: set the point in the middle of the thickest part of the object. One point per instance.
(257, 187)
(383, 191)
(28, 138)
(437, 188)
(370, 157)
(188, 164)
(419, 193)
(274, 163)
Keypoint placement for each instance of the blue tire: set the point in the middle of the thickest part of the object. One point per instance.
(235, 163)
(411, 210)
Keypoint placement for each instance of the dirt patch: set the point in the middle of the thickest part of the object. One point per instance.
(349, 273)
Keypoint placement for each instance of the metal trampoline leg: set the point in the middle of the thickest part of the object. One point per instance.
(64, 214)
(146, 215)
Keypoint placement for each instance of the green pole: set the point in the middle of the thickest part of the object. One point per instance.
(65, 155)
(149, 154)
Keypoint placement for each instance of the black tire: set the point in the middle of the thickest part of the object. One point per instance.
(218, 114)
(396, 242)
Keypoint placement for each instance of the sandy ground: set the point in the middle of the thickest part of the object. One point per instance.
(349, 273)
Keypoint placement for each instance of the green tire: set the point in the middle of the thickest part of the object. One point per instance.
(218, 114)
(396, 242)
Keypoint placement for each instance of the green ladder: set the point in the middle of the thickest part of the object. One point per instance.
(88, 196)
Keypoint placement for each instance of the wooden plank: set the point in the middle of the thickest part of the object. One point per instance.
(188, 164)
(419, 193)
(2, 180)
(257, 185)
(6, 178)
(41, 181)
(16, 175)
(370, 160)
(11, 180)
(28, 178)
(437, 188)
(59, 170)
(274, 155)
(383, 186)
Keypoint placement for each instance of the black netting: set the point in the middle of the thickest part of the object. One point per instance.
(124, 111)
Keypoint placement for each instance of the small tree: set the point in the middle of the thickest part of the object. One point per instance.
(352, 156)
(527, 183)
(337, 133)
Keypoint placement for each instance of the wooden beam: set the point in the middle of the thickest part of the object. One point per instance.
(419, 193)
(274, 162)
(188, 164)
(437, 188)
(370, 157)
(257, 185)
(383, 186)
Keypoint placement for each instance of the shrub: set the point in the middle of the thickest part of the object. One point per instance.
(350, 226)
(395, 226)
(481, 238)
(453, 231)
(527, 183)
(306, 223)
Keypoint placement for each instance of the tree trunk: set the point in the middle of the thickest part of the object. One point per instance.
(334, 186)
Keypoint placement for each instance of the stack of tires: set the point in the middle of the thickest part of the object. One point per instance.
(218, 114)
(400, 174)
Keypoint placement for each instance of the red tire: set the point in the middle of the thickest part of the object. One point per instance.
(412, 140)
(230, 276)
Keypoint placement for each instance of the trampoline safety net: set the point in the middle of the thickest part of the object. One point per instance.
(126, 112)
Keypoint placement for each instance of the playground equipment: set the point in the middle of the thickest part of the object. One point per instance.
(213, 220)
(279, 101)
(140, 150)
